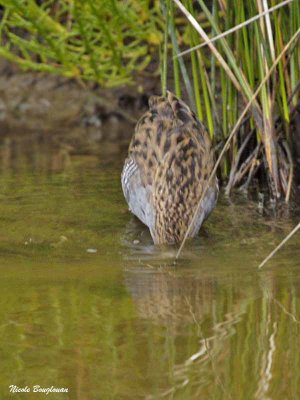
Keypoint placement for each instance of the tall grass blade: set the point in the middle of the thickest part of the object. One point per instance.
(183, 69)
(235, 28)
(234, 131)
(279, 246)
(176, 66)
(219, 57)
(164, 63)
(239, 79)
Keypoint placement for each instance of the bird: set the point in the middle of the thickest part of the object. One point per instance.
(170, 159)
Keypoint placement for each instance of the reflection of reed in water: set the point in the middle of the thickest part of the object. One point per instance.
(212, 337)
(238, 334)
(187, 306)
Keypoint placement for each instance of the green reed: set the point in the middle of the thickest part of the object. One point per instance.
(231, 69)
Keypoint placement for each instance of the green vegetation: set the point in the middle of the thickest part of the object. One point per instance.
(103, 41)
(109, 41)
(229, 73)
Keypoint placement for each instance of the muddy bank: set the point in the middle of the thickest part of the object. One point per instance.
(82, 113)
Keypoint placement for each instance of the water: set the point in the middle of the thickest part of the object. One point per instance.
(89, 304)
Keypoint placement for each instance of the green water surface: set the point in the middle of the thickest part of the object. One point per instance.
(88, 303)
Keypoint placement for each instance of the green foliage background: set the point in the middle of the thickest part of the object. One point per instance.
(104, 41)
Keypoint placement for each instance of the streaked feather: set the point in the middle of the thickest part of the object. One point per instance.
(169, 161)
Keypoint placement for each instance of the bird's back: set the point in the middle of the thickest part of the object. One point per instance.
(172, 154)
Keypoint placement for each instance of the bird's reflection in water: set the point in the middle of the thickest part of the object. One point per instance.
(186, 304)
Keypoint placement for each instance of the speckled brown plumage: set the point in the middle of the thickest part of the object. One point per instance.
(169, 161)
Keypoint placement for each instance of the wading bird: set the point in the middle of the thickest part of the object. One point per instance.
(169, 161)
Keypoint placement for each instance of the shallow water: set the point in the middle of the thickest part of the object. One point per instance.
(89, 304)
